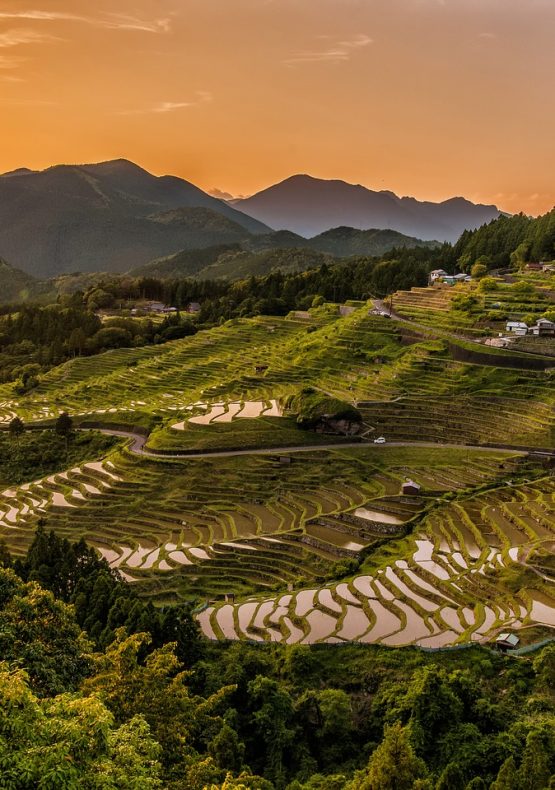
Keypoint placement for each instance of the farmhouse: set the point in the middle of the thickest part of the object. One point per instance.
(543, 328)
(437, 274)
(517, 327)
(193, 307)
(155, 307)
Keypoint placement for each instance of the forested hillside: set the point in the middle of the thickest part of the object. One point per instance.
(508, 241)
(101, 691)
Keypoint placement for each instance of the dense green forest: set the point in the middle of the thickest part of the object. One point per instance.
(102, 691)
(508, 241)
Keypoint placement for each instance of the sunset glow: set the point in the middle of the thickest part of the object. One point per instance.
(431, 98)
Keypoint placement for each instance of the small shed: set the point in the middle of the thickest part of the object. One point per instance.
(193, 307)
(507, 641)
(411, 488)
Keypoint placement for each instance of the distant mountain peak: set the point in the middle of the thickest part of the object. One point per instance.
(309, 206)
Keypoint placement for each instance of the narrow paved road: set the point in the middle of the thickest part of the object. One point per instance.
(137, 446)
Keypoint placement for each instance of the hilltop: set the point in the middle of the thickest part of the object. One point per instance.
(108, 216)
(310, 206)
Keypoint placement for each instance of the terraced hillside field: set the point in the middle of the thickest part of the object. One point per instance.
(320, 544)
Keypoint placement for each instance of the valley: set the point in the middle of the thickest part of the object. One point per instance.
(215, 496)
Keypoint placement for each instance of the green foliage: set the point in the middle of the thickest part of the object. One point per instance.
(35, 454)
(393, 765)
(64, 425)
(39, 632)
(102, 602)
(508, 241)
(69, 741)
(314, 408)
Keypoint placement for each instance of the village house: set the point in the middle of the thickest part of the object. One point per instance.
(516, 327)
(453, 279)
(437, 274)
(543, 328)
(154, 307)
(193, 307)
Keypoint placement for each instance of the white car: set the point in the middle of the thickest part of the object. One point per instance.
(379, 440)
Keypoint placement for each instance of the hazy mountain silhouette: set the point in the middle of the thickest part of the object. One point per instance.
(309, 206)
(110, 216)
(280, 250)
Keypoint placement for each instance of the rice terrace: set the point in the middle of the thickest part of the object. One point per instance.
(212, 491)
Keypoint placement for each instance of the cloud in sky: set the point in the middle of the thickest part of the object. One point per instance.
(112, 21)
(163, 107)
(15, 37)
(9, 62)
(337, 52)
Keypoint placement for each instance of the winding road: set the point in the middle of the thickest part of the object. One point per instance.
(138, 442)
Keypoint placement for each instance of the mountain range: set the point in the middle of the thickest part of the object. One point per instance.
(115, 216)
(309, 206)
(109, 216)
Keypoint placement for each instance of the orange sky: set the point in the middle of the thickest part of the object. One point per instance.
(431, 98)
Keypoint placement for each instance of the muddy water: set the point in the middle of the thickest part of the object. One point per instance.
(59, 500)
(325, 597)
(355, 624)
(179, 557)
(264, 609)
(328, 535)
(232, 410)
(245, 614)
(386, 623)
(151, 559)
(363, 585)
(343, 591)
(321, 626)
(543, 611)
(204, 621)
(295, 633)
(304, 602)
(203, 419)
(424, 585)
(451, 617)
(224, 618)
(377, 515)
(443, 639)
(107, 554)
(427, 605)
(383, 592)
(414, 629)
